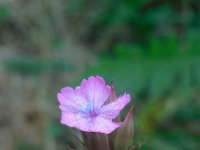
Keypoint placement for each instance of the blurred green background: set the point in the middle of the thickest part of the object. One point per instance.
(149, 48)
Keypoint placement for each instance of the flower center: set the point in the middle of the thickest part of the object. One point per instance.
(93, 113)
(89, 110)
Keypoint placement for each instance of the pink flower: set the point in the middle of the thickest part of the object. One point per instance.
(84, 107)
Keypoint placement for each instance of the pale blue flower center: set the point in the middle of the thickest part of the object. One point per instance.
(89, 110)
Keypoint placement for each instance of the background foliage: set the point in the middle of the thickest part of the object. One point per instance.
(149, 48)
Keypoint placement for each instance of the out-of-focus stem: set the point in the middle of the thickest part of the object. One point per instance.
(96, 141)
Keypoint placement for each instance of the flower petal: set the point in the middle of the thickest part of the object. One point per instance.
(95, 90)
(113, 109)
(103, 125)
(68, 97)
(68, 109)
(96, 124)
(64, 101)
(76, 120)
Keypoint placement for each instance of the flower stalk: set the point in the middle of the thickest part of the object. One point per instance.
(96, 141)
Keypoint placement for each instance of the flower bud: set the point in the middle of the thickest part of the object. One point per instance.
(125, 133)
